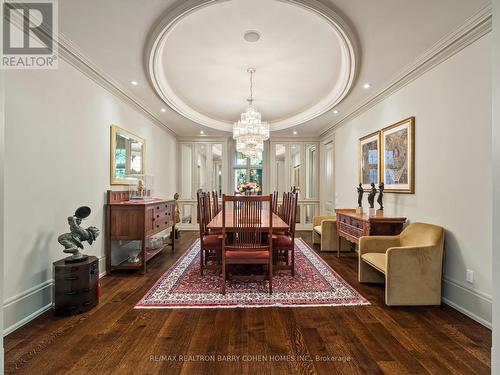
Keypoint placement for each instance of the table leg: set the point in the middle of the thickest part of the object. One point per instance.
(143, 258)
(173, 238)
(338, 249)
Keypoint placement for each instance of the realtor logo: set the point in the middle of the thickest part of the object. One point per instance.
(28, 34)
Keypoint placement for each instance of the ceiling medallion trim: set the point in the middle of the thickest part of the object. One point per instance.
(160, 32)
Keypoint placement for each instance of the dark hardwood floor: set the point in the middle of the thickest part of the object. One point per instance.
(375, 339)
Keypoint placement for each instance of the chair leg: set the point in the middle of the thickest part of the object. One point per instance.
(223, 278)
(201, 261)
(293, 261)
(270, 271)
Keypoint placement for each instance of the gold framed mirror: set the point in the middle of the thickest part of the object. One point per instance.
(127, 155)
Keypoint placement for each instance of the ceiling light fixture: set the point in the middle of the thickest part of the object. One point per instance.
(250, 132)
(202, 132)
(251, 36)
(367, 85)
(134, 83)
(335, 112)
(163, 110)
(295, 132)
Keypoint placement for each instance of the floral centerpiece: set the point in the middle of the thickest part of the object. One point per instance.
(248, 188)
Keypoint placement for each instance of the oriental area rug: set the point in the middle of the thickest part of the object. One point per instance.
(315, 284)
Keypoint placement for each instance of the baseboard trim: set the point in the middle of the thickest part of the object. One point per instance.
(468, 313)
(26, 319)
(31, 300)
(472, 303)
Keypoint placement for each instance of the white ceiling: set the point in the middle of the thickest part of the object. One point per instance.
(392, 34)
(199, 65)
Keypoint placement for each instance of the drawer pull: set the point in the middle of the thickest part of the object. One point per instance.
(72, 293)
(71, 278)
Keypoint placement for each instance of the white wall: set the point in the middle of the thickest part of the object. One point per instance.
(496, 188)
(452, 106)
(57, 159)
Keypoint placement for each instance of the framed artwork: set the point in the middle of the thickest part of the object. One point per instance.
(398, 157)
(369, 160)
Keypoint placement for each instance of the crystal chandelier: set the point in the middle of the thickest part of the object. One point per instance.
(250, 132)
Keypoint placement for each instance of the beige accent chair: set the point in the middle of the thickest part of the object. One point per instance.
(325, 233)
(410, 264)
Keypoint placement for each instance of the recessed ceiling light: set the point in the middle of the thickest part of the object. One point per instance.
(134, 83)
(202, 132)
(295, 132)
(335, 111)
(251, 36)
(367, 85)
(163, 110)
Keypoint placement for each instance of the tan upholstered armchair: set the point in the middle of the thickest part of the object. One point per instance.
(410, 264)
(325, 233)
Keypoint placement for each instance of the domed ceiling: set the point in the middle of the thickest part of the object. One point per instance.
(304, 59)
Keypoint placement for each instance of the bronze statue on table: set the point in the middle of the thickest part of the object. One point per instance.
(371, 196)
(360, 194)
(380, 196)
(73, 241)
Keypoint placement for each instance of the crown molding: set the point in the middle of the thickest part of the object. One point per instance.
(473, 29)
(203, 138)
(75, 57)
(72, 55)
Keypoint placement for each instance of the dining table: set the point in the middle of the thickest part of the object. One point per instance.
(278, 224)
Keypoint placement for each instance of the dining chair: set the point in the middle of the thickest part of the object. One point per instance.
(210, 243)
(284, 207)
(275, 202)
(248, 238)
(215, 204)
(284, 243)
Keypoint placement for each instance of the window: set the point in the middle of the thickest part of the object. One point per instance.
(248, 170)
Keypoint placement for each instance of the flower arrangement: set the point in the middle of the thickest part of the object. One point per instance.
(248, 187)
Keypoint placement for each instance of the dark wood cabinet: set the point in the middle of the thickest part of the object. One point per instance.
(352, 226)
(136, 220)
(76, 286)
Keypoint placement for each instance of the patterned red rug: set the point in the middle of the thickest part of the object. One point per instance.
(314, 284)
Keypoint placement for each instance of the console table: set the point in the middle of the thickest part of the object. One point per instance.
(352, 225)
(136, 219)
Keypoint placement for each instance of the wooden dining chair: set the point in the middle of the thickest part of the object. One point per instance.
(247, 239)
(210, 243)
(275, 202)
(284, 207)
(284, 243)
(215, 204)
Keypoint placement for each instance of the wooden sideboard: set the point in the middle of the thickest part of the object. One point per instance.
(136, 220)
(352, 226)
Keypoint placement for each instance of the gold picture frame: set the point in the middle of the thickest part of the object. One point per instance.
(118, 175)
(398, 157)
(369, 160)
